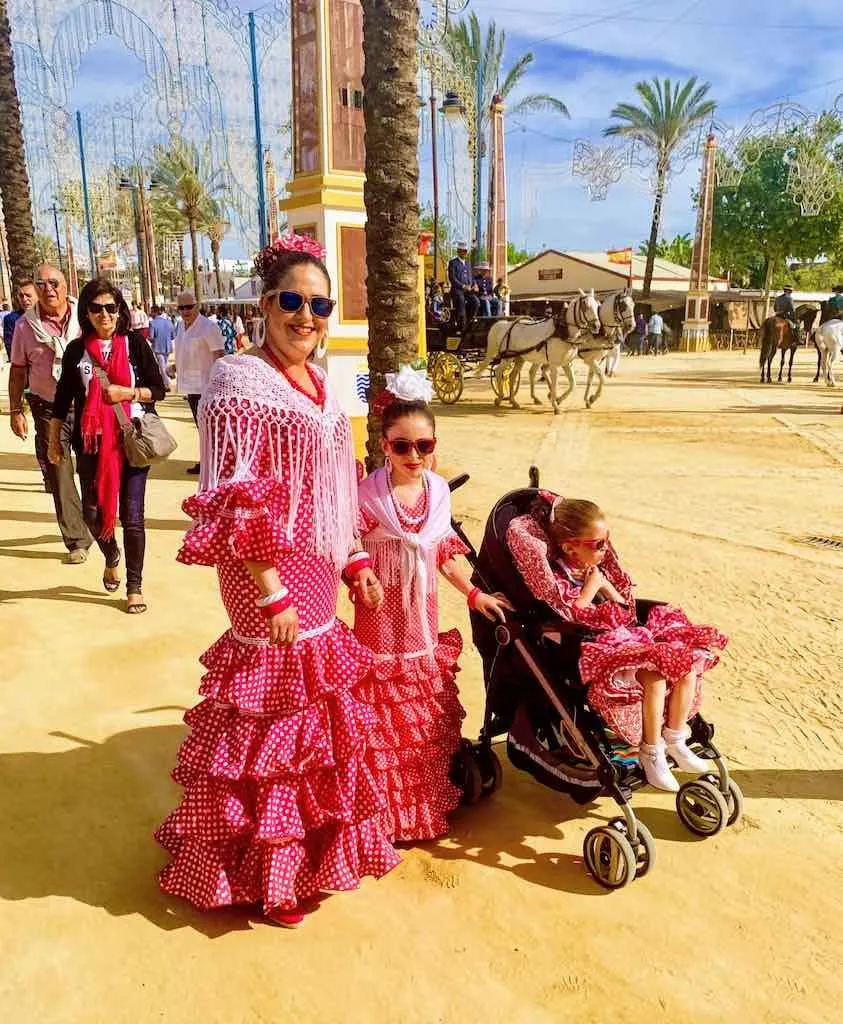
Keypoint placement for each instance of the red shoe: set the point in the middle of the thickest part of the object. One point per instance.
(287, 918)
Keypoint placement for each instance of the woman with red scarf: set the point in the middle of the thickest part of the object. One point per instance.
(110, 486)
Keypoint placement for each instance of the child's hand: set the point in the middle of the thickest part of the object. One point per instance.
(368, 586)
(493, 606)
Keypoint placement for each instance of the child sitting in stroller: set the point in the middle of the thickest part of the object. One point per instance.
(644, 679)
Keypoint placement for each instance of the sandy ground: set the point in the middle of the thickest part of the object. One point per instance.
(711, 483)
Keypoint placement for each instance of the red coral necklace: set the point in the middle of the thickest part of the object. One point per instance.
(318, 398)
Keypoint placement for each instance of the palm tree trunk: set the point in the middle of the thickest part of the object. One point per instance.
(390, 28)
(215, 252)
(654, 232)
(181, 262)
(14, 179)
(194, 260)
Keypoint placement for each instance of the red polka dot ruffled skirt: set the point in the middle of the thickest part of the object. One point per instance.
(280, 802)
(415, 735)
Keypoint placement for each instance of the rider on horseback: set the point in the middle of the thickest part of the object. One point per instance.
(783, 307)
(835, 303)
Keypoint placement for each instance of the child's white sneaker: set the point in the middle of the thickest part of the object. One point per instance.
(686, 760)
(653, 760)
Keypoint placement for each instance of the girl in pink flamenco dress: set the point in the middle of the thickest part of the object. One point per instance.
(407, 537)
(645, 681)
(279, 802)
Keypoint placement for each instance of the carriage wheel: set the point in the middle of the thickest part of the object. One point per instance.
(506, 380)
(431, 362)
(447, 378)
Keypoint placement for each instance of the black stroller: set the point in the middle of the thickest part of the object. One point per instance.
(534, 696)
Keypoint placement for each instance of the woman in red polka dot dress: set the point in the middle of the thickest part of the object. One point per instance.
(407, 536)
(279, 803)
(644, 681)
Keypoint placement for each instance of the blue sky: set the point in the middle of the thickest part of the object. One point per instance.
(590, 54)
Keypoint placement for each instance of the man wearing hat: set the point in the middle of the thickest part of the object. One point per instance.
(783, 307)
(835, 303)
(461, 278)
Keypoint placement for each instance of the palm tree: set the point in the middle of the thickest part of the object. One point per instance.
(14, 179)
(186, 184)
(216, 227)
(481, 61)
(167, 221)
(665, 118)
(390, 29)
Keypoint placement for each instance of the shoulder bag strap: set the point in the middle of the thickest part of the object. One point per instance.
(122, 418)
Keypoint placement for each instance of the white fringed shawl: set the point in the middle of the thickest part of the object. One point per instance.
(401, 558)
(249, 410)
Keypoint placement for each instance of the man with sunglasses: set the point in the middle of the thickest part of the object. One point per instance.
(40, 338)
(198, 344)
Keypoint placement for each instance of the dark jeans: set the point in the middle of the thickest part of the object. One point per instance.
(62, 482)
(193, 402)
(465, 305)
(130, 511)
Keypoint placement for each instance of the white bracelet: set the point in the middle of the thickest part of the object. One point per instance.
(279, 595)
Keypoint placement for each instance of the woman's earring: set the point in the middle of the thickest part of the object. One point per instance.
(322, 347)
(260, 333)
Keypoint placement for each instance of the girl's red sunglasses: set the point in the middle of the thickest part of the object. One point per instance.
(595, 545)
(424, 445)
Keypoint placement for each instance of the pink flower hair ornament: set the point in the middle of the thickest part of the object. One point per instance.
(289, 241)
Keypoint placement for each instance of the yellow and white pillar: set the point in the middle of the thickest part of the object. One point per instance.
(325, 197)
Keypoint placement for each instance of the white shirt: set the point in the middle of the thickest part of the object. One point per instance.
(238, 326)
(86, 372)
(656, 324)
(138, 320)
(197, 348)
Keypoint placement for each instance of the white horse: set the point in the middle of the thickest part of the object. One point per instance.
(617, 317)
(548, 343)
(829, 341)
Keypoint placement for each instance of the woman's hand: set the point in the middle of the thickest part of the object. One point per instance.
(284, 627)
(115, 393)
(368, 586)
(493, 606)
(54, 452)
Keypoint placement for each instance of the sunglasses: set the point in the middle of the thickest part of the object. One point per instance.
(103, 307)
(595, 545)
(424, 446)
(184, 309)
(55, 285)
(292, 302)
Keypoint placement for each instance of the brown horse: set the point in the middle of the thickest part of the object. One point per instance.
(777, 334)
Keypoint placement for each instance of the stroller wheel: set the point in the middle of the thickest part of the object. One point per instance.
(702, 808)
(734, 798)
(491, 770)
(609, 857)
(644, 849)
(465, 773)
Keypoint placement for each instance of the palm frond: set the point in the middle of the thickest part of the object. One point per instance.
(539, 103)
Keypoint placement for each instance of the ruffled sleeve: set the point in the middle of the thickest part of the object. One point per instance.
(366, 522)
(241, 506)
(449, 547)
(528, 544)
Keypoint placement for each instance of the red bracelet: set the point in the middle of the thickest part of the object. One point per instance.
(472, 598)
(356, 564)
(268, 610)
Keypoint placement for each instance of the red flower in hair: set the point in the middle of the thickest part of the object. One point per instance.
(382, 402)
(289, 241)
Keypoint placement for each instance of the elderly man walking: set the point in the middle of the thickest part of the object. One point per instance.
(198, 345)
(161, 340)
(38, 344)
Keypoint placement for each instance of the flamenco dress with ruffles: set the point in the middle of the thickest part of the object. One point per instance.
(667, 643)
(279, 802)
(411, 687)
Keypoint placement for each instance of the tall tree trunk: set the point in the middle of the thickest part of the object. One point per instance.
(194, 260)
(654, 231)
(390, 29)
(181, 262)
(14, 179)
(215, 252)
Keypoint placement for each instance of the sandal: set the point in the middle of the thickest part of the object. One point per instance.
(109, 582)
(138, 608)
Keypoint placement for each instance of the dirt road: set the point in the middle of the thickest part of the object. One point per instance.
(713, 485)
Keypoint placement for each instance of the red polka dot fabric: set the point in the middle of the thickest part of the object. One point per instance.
(280, 801)
(413, 695)
(668, 644)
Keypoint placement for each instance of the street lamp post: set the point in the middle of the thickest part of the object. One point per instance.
(55, 211)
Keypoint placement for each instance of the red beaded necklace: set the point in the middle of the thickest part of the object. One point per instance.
(318, 398)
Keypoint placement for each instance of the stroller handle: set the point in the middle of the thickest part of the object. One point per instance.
(456, 482)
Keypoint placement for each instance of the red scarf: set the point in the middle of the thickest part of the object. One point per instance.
(100, 430)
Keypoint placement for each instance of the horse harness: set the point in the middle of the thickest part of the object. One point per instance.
(503, 351)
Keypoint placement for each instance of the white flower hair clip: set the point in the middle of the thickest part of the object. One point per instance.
(409, 385)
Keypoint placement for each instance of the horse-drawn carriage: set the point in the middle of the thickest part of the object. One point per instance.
(450, 355)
